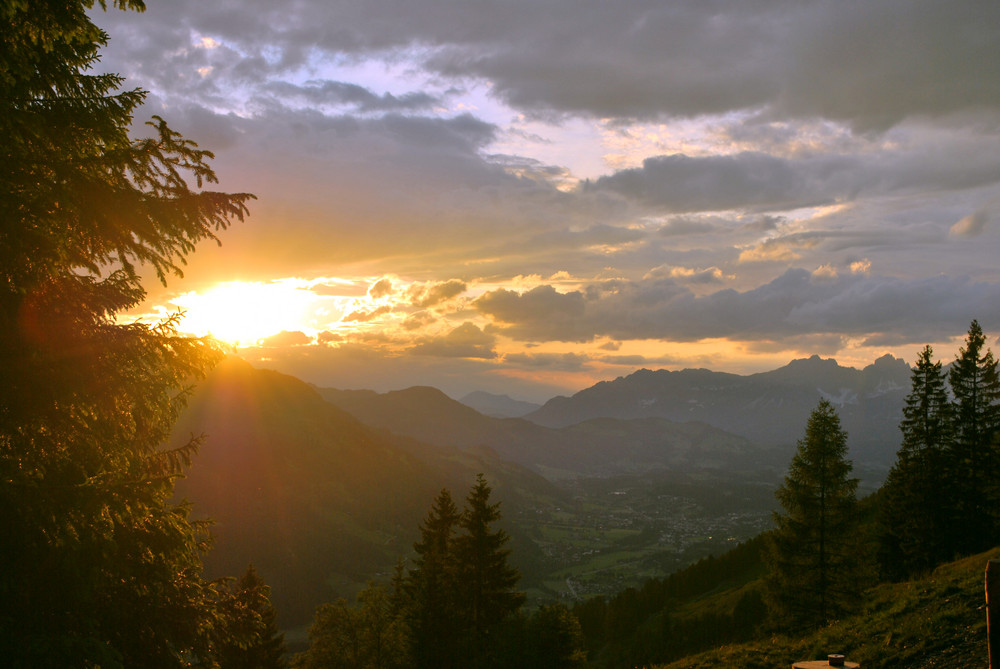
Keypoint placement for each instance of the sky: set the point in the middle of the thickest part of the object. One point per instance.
(530, 196)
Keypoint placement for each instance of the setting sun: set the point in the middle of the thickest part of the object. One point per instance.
(244, 312)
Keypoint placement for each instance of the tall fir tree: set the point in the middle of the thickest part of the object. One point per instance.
(487, 581)
(98, 565)
(975, 453)
(435, 621)
(916, 517)
(813, 554)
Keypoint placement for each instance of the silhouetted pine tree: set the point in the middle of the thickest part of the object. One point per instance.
(99, 565)
(435, 622)
(918, 499)
(813, 555)
(487, 581)
(975, 386)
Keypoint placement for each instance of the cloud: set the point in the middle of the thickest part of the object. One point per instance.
(430, 295)
(286, 338)
(465, 341)
(758, 181)
(338, 93)
(551, 314)
(565, 362)
(381, 288)
(679, 183)
(626, 360)
(709, 275)
(794, 305)
(418, 320)
(654, 61)
(669, 166)
(971, 225)
(363, 316)
(819, 59)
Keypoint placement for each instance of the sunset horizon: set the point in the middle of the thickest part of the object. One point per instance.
(529, 199)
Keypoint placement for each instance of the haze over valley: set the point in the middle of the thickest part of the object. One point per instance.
(624, 481)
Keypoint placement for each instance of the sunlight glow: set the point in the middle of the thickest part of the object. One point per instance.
(244, 312)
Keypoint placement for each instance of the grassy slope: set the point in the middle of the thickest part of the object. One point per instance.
(935, 622)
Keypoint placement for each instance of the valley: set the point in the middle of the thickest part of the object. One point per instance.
(323, 490)
(619, 532)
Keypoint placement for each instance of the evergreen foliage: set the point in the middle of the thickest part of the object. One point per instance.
(98, 566)
(975, 452)
(942, 496)
(487, 583)
(916, 521)
(432, 588)
(814, 554)
(550, 638)
(457, 606)
(252, 639)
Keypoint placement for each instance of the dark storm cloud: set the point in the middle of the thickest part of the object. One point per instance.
(793, 305)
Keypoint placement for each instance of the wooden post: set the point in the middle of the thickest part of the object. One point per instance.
(993, 611)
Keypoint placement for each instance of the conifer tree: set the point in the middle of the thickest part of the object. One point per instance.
(812, 555)
(916, 514)
(251, 638)
(435, 621)
(975, 452)
(98, 566)
(487, 582)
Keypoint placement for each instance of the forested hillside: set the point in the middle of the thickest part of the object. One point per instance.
(936, 621)
(317, 501)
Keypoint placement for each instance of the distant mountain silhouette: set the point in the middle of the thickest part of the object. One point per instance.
(594, 447)
(316, 500)
(498, 406)
(770, 408)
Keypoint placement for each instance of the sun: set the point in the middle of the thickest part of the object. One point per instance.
(241, 312)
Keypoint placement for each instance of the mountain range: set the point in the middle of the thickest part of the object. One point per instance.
(593, 447)
(322, 489)
(769, 408)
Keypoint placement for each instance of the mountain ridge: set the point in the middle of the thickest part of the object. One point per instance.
(768, 408)
(498, 406)
(600, 446)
